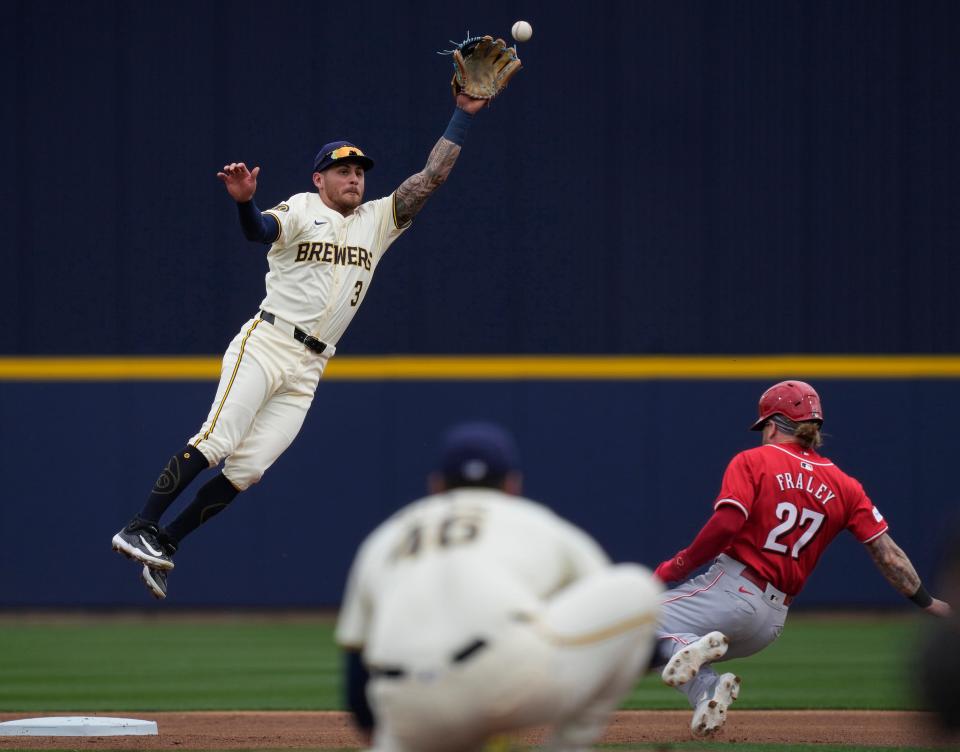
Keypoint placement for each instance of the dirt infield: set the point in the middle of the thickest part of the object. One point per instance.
(318, 730)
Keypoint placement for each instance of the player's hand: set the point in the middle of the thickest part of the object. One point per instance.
(672, 570)
(240, 182)
(471, 105)
(939, 608)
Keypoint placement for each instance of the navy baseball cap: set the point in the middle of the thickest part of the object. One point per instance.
(340, 151)
(477, 454)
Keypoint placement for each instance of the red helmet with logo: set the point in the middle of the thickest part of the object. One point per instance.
(795, 400)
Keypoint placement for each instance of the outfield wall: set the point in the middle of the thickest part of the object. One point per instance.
(638, 197)
(714, 177)
(635, 462)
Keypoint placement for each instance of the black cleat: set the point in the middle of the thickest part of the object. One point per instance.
(155, 580)
(144, 542)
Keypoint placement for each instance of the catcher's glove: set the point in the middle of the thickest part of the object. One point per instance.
(482, 67)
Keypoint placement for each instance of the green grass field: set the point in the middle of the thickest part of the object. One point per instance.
(260, 662)
(818, 662)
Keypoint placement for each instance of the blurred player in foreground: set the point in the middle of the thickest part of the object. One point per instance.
(780, 505)
(938, 679)
(474, 612)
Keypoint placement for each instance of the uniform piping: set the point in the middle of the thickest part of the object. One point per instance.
(695, 592)
(233, 376)
(597, 636)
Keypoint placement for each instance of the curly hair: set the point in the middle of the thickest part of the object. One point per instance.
(808, 435)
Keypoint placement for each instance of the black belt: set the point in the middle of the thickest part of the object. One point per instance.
(396, 672)
(309, 341)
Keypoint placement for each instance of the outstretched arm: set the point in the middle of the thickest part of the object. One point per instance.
(241, 184)
(712, 539)
(897, 568)
(416, 189)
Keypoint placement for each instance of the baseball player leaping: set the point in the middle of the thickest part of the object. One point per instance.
(474, 612)
(779, 507)
(324, 249)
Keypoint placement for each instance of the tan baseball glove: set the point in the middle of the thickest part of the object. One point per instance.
(483, 66)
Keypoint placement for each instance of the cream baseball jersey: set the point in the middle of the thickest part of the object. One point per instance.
(479, 613)
(796, 502)
(321, 265)
(451, 565)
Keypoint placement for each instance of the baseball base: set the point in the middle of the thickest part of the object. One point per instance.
(78, 725)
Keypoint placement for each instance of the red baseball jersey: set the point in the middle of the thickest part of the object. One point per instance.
(795, 502)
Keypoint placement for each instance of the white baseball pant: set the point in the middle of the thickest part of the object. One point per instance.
(718, 600)
(267, 383)
(569, 666)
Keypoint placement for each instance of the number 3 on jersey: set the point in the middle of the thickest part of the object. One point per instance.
(789, 513)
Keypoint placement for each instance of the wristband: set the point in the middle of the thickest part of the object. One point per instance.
(457, 128)
(922, 598)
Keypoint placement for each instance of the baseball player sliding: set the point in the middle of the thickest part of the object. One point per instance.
(324, 248)
(780, 505)
(474, 611)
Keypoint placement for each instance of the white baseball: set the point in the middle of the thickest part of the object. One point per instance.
(522, 31)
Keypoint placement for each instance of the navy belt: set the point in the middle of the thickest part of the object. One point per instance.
(308, 340)
(397, 672)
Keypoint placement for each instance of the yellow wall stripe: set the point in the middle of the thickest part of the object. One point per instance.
(200, 368)
(495, 367)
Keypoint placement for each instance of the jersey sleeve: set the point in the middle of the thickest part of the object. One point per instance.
(865, 521)
(356, 610)
(388, 229)
(290, 216)
(738, 487)
(584, 555)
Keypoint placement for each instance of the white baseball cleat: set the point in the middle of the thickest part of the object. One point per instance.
(685, 663)
(711, 713)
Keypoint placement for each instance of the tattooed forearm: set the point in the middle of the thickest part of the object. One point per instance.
(894, 565)
(416, 189)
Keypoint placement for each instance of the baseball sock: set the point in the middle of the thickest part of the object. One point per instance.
(212, 498)
(182, 468)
